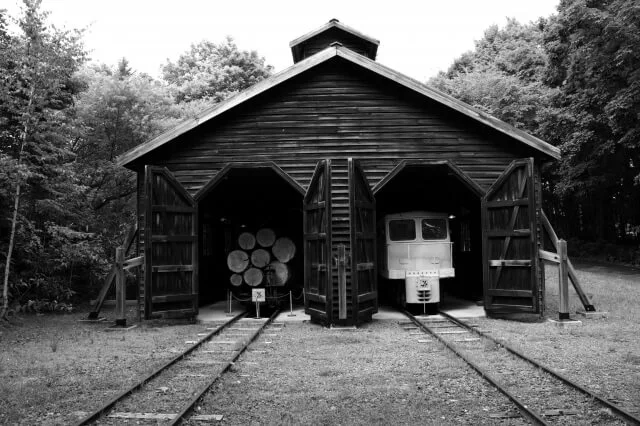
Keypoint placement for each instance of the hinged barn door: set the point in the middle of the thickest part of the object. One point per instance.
(171, 249)
(509, 241)
(362, 211)
(317, 244)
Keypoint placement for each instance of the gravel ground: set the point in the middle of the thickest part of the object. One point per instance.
(378, 374)
(52, 366)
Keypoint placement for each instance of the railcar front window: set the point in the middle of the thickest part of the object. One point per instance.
(402, 230)
(434, 229)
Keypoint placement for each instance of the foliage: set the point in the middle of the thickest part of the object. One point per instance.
(573, 80)
(62, 126)
(214, 71)
(595, 62)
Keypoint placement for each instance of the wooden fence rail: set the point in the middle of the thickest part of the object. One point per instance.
(116, 275)
(566, 271)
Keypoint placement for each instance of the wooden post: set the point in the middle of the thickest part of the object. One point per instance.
(563, 270)
(342, 282)
(121, 293)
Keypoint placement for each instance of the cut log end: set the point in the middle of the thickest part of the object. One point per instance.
(237, 261)
(236, 280)
(247, 241)
(266, 237)
(253, 277)
(284, 249)
(260, 258)
(278, 274)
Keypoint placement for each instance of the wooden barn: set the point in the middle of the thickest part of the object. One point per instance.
(318, 152)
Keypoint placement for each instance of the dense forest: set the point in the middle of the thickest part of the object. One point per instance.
(572, 79)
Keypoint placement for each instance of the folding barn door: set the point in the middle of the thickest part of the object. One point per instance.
(171, 247)
(509, 241)
(317, 244)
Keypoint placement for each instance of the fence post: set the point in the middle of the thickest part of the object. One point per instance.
(121, 293)
(229, 302)
(563, 270)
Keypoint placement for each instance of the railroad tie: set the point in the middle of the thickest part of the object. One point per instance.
(560, 412)
(452, 332)
(163, 416)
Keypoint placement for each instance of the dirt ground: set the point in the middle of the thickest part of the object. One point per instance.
(53, 366)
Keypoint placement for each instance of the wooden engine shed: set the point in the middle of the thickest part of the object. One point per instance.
(322, 149)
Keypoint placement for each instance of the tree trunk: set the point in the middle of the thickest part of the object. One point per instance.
(16, 206)
(5, 288)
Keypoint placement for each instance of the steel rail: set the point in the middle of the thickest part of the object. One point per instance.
(522, 407)
(628, 417)
(189, 406)
(107, 406)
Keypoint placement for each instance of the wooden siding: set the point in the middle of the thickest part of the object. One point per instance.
(338, 111)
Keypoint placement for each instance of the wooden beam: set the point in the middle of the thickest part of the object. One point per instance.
(549, 256)
(103, 293)
(342, 281)
(510, 262)
(121, 301)
(563, 271)
(132, 263)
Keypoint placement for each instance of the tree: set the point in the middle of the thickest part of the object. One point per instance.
(504, 76)
(37, 66)
(594, 61)
(119, 110)
(214, 72)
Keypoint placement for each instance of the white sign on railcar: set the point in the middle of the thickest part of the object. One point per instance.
(258, 295)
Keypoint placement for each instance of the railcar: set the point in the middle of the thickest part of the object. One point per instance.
(416, 253)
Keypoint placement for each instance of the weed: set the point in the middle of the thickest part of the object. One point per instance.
(53, 344)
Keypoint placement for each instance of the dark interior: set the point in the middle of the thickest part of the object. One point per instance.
(247, 199)
(437, 188)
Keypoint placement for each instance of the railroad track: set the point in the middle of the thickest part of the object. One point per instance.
(540, 394)
(178, 385)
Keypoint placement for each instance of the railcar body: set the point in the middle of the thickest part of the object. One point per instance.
(417, 252)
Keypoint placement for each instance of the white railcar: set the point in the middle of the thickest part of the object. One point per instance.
(417, 250)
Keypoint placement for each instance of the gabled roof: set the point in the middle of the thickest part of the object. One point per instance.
(297, 45)
(331, 52)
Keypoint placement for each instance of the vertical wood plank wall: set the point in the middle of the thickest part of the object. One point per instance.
(337, 110)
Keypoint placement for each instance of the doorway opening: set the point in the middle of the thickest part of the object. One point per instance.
(429, 220)
(250, 234)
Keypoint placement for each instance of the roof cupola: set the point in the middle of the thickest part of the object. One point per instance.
(332, 32)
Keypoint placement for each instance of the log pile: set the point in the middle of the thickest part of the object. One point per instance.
(261, 259)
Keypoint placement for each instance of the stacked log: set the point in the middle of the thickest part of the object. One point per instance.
(253, 262)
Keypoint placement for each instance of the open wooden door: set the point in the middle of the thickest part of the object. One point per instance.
(171, 247)
(362, 211)
(317, 244)
(509, 241)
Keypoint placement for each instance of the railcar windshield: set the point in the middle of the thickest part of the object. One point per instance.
(434, 229)
(402, 230)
